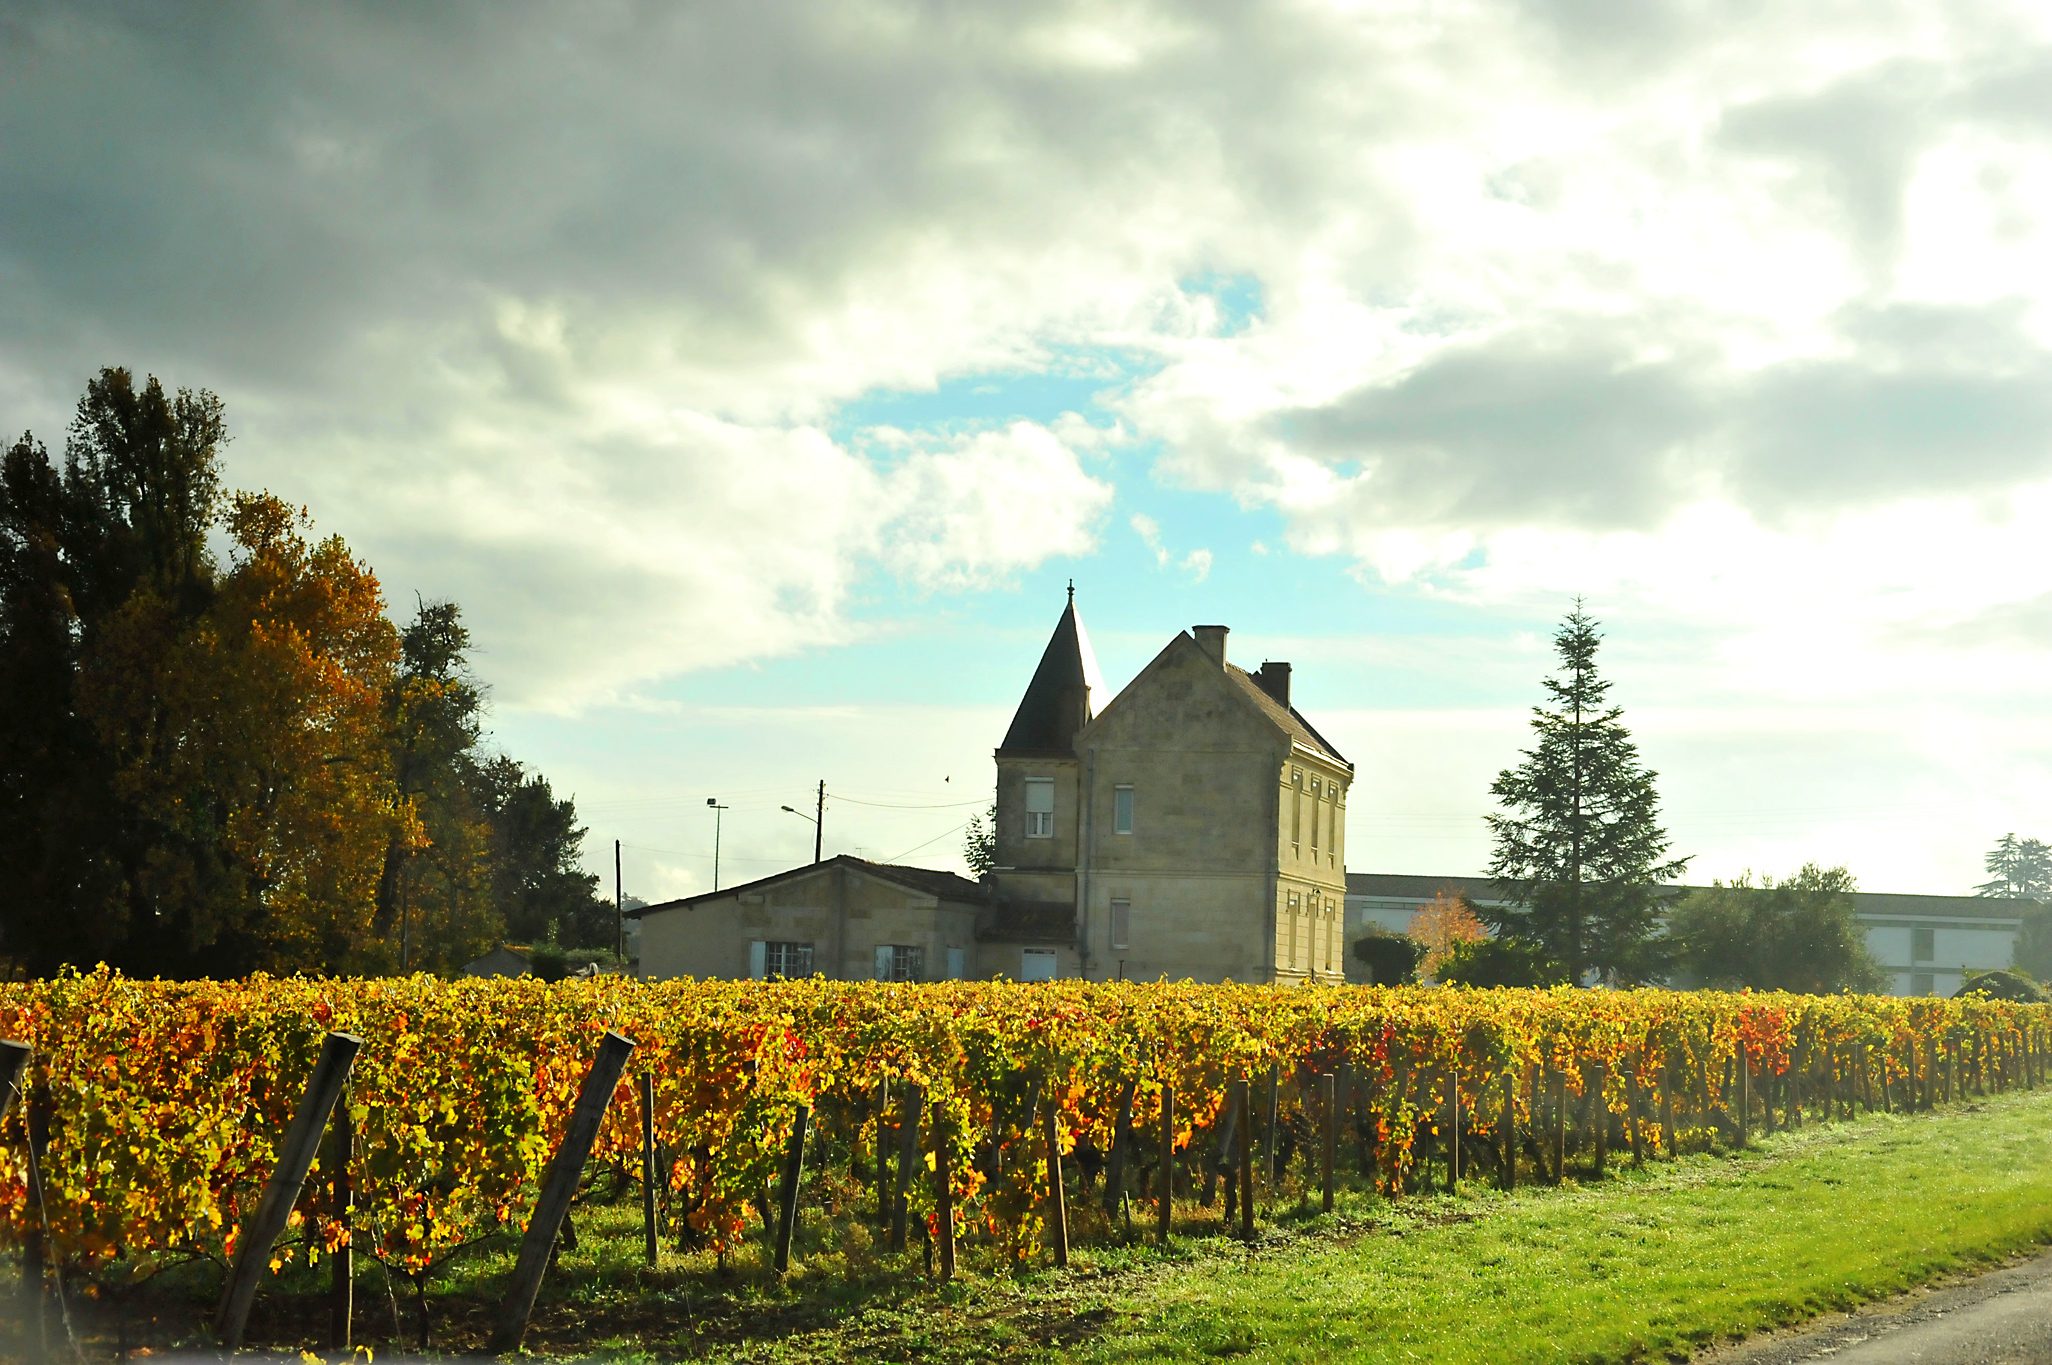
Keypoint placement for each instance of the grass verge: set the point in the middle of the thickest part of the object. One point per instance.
(1642, 1265)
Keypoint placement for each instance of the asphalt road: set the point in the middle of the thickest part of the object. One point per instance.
(2001, 1318)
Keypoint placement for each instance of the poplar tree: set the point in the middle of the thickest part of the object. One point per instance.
(1580, 853)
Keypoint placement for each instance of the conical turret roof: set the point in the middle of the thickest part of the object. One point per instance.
(1064, 690)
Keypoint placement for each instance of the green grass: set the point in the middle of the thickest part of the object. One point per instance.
(1646, 1264)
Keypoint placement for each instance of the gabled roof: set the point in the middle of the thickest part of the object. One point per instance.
(1067, 663)
(926, 881)
(1295, 725)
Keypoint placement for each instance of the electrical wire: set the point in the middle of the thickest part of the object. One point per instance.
(934, 840)
(886, 805)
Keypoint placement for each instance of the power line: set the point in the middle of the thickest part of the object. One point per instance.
(934, 840)
(886, 805)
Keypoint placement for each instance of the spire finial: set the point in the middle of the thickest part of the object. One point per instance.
(1072, 592)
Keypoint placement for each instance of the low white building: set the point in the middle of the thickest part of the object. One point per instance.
(1926, 943)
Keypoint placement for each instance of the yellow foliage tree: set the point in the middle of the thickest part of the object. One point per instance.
(1448, 920)
(251, 736)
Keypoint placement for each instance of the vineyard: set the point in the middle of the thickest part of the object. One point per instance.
(157, 1108)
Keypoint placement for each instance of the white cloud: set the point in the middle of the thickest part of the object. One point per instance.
(1197, 563)
(1732, 316)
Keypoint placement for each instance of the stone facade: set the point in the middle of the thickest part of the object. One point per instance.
(1195, 827)
(845, 918)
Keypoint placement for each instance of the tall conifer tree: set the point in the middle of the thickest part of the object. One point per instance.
(1580, 852)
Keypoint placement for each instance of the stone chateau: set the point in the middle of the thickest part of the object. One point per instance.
(1192, 826)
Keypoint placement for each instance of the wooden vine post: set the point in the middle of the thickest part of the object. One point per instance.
(944, 1201)
(883, 1153)
(787, 1195)
(342, 1204)
(1057, 1206)
(912, 1107)
(651, 1251)
(14, 1060)
(1165, 1205)
(1328, 1105)
(281, 1191)
(1559, 1127)
(1745, 1091)
(1507, 1133)
(1638, 1132)
(559, 1187)
(1243, 1103)
(1453, 1131)
(1122, 1143)
(1269, 1136)
(1667, 1132)
(1599, 1111)
(1793, 1115)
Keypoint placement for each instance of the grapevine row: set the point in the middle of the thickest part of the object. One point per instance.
(157, 1105)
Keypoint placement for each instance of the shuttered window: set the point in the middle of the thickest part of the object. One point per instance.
(1040, 808)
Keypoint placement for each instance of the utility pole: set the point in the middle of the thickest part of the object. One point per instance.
(719, 811)
(619, 907)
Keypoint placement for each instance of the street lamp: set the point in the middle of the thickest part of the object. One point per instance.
(815, 829)
(818, 820)
(719, 812)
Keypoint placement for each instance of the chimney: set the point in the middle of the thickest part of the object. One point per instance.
(1211, 639)
(1274, 679)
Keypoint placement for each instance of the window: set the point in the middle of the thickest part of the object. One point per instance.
(1296, 907)
(1923, 947)
(900, 962)
(1122, 923)
(1920, 983)
(1122, 809)
(1037, 964)
(1040, 808)
(781, 960)
(1296, 808)
(1317, 815)
(957, 962)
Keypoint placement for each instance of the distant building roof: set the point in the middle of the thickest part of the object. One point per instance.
(1045, 719)
(1866, 904)
(500, 961)
(924, 880)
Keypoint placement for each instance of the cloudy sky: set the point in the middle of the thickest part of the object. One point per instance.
(755, 376)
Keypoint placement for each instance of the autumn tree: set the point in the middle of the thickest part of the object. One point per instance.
(248, 749)
(1580, 853)
(206, 770)
(1448, 920)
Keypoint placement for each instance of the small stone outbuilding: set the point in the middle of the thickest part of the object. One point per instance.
(845, 918)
